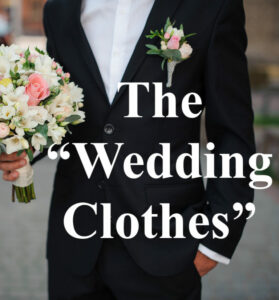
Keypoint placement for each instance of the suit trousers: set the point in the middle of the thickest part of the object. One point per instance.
(117, 276)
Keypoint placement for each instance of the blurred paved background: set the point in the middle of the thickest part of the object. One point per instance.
(252, 275)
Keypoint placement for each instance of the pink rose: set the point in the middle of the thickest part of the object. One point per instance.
(37, 89)
(54, 65)
(59, 71)
(173, 43)
(4, 130)
(167, 36)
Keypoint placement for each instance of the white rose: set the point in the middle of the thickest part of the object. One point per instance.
(37, 141)
(7, 112)
(185, 50)
(15, 143)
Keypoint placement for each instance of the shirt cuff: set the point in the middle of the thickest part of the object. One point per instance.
(213, 255)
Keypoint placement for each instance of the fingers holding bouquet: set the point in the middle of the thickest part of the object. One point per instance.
(38, 102)
(9, 163)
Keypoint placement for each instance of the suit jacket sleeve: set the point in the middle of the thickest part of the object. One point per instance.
(229, 121)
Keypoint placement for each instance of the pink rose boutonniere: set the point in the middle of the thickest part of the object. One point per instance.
(174, 47)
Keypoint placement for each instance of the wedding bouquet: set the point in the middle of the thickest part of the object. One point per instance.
(37, 104)
(174, 47)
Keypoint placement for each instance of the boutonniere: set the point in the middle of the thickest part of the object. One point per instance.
(174, 47)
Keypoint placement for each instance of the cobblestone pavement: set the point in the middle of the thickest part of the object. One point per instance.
(252, 275)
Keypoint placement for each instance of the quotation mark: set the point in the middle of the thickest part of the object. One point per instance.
(52, 154)
(250, 207)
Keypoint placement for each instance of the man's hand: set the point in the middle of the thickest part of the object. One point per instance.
(204, 264)
(10, 163)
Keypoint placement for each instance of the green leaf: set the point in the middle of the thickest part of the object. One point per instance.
(154, 52)
(189, 35)
(29, 152)
(43, 130)
(68, 129)
(49, 143)
(172, 54)
(163, 64)
(27, 54)
(2, 148)
(72, 119)
(40, 51)
(61, 82)
(19, 152)
(168, 23)
(152, 47)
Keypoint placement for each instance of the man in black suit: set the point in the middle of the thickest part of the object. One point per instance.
(141, 268)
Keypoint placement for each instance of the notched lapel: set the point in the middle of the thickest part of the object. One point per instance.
(161, 10)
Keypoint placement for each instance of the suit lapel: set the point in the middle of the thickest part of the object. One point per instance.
(162, 9)
(81, 43)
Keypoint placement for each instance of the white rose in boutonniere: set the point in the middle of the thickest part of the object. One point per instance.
(186, 50)
(174, 47)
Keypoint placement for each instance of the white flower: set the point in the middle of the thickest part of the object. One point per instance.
(61, 106)
(6, 86)
(16, 96)
(164, 45)
(185, 50)
(12, 53)
(82, 117)
(7, 112)
(179, 32)
(170, 29)
(25, 118)
(20, 132)
(38, 140)
(55, 132)
(43, 65)
(76, 93)
(5, 66)
(38, 114)
(15, 143)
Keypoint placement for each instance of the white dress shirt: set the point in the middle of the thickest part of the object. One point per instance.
(113, 28)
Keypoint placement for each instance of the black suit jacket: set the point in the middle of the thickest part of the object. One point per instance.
(217, 71)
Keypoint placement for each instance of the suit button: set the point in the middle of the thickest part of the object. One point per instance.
(109, 129)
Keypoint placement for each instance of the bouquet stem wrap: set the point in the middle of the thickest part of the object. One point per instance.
(171, 68)
(23, 186)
